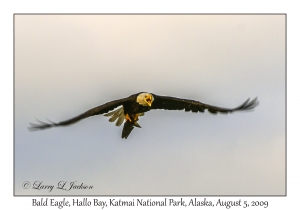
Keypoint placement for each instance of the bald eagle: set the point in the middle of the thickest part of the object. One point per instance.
(136, 105)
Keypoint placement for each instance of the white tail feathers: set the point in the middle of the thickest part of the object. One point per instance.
(117, 114)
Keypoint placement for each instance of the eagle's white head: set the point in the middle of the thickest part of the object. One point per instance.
(145, 99)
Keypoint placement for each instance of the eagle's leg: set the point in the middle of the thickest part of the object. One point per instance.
(127, 117)
(134, 118)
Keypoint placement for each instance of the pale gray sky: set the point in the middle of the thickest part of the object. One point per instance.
(65, 65)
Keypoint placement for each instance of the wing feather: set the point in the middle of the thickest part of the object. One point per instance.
(95, 111)
(172, 103)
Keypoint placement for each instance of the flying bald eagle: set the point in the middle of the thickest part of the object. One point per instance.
(135, 105)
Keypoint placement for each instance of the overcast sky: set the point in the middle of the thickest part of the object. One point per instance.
(65, 65)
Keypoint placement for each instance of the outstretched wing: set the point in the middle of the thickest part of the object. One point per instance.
(172, 103)
(95, 111)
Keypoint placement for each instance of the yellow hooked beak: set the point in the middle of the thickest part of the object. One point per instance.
(148, 100)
